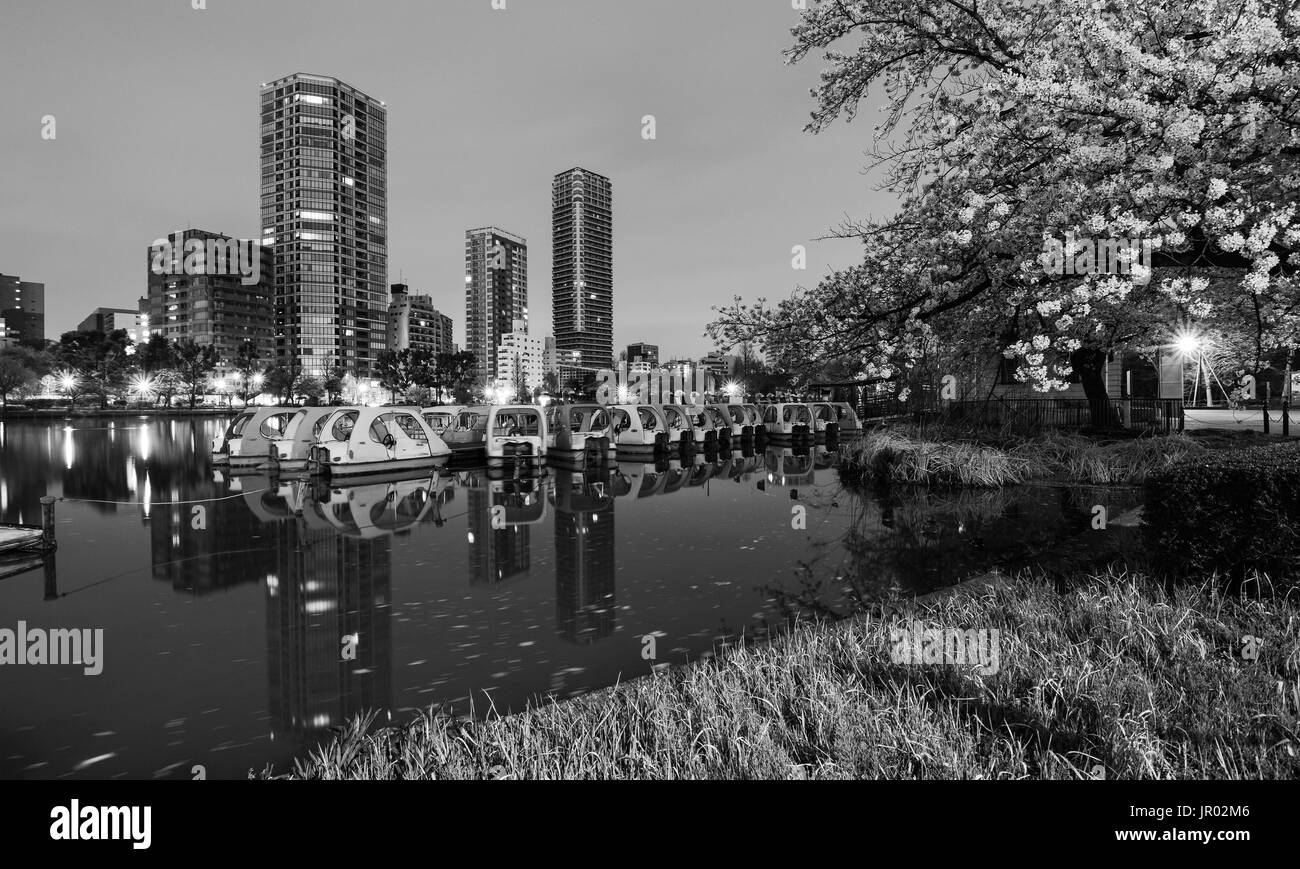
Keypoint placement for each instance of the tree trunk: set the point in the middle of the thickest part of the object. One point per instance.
(1090, 364)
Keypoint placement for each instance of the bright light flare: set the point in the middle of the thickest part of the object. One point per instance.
(1187, 342)
(142, 386)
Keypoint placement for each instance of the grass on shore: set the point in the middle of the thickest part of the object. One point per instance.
(1115, 675)
(902, 456)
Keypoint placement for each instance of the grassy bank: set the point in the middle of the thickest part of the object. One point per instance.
(1115, 675)
(903, 456)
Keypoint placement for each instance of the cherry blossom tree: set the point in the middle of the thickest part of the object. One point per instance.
(1011, 127)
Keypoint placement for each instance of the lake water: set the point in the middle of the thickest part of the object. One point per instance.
(240, 627)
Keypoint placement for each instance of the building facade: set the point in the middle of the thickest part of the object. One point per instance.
(415, 324)
(582, 276)
(521, 358)
(324, 194)
(644, 353)
(22, 309)
(208, 298)
(111, 319)
(496, 293)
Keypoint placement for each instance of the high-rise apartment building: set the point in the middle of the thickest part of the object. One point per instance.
(325, 216)
(212, 289)
(496, 293)
(414, 323)
(22, 308)
(582, 274)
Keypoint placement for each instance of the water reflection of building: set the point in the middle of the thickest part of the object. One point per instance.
(324, 587)
(584, 557)
(201, 548)
(501, 515)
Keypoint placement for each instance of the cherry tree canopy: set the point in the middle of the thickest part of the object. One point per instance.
(1004, 123)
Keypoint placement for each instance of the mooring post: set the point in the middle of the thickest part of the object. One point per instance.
(51, 578)
(47, 522)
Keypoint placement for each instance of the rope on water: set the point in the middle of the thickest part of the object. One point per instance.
(166, 503)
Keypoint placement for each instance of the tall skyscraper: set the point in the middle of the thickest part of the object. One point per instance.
(325, 216)
(496, 293)
(206, 287)
(582, 274)
(22, 309)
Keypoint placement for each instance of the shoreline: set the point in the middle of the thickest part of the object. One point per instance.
(1081, 672)
(111, 413)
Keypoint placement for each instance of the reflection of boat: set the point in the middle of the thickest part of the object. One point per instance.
(379, 440)
(373, 509)
(246, 442)
(304, 430)
(520, 501)
(785, 467)
(589, 492)
(268, 501)
(742, 465)
(640, 479)
(516, 433)
(19, 561)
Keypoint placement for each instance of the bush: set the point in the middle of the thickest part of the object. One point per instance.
(1228, 511)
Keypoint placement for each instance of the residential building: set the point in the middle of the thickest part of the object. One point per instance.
(582, 276)
(414, 323)
(521, 358)
(196, 294)
(720, 365)
(22, 307)
(324, 193)
(496, 293)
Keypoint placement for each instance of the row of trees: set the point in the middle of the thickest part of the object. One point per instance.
(110, 366)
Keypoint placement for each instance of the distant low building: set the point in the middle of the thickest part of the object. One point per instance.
(415, 324)
(521, 356)
(111, 319)
(22, 307)
(644, 353)
(720, 365)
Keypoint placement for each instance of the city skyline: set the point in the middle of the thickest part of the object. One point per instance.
(694, 228)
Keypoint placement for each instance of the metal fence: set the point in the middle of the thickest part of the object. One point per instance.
(1163, 415)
